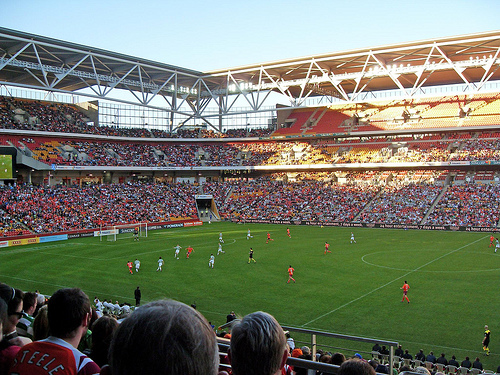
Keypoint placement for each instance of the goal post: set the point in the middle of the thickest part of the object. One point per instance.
(118, 232)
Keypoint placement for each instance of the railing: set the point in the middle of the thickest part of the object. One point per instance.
(314, 334)
(313, 365)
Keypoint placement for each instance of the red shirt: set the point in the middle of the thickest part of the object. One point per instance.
(290, 271)
(327, 245)
(129, 264)
(52, 356)
(189, 249)
(405, 288)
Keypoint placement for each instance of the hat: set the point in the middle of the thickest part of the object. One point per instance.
(357, 355)
(296, 352)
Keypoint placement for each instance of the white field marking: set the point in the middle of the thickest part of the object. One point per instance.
(61, 286)
(390, 282)
(31, 248)
(439, 271)
(121, 256)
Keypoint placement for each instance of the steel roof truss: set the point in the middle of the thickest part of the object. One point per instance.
(283, 90)
(60, 76)
(160, 88)
(391, 75)
(44, 72)
(487, 67)
(13, 57)
(458, 70)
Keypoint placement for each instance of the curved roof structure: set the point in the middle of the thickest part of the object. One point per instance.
(37, 62)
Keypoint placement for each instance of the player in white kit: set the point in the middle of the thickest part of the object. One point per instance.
(160, 264)
(220, 249)
(177, 249)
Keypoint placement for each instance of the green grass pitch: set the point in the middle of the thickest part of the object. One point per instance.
(354, 290)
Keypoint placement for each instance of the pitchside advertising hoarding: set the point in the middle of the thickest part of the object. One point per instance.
(62, 237)
(370, 225)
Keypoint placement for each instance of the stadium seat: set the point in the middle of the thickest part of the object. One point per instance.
(450, 369)
(396, 360)
(463, 370)
(375, 355)
(429, 365)
(476, 371)
(440, 367)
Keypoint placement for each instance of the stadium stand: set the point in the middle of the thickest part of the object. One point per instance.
(398, 195)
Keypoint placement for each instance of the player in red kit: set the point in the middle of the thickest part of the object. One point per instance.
(327, 246)
(288, 232)
(189, 251)
(269, 237)
(129, 265)
(290, 274)
(405, 288)
(491, 240)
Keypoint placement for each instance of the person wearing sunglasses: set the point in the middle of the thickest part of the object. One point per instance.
(11, 342)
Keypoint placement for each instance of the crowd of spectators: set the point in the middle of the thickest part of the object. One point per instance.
(468, 205)
(157, 154)
(265, 198)
(44, 209)
(306, 196)
(401, 204)
(57, 117)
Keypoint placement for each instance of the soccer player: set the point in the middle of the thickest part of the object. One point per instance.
(269, 237)
(160, 264)
(137, 265)
(177, 250)
(220, 238)
(288, 232)
(220, 249)
(405, 288)
(248, 234)
(491, 240)
(327, 246)
(136, 234)
(130, 265)
(290, 274)
(250, 256)
(497, 245)
(352, 238)
(189, 251)
(486, 340)
(211, 261)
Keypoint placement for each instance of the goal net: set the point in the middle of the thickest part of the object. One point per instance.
(119, 232)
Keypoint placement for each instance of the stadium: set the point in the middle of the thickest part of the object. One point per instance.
(107, 158)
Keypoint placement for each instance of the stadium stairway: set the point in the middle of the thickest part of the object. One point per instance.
(431, 208)
(356, 218)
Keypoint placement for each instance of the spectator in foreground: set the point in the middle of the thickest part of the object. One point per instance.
(69, 315)
(41, 324)
(102, 332)
(356, 367)
(10, 343)
(163, 337)
(25, 326)
(258, 345)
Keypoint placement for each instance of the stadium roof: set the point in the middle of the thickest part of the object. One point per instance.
(37, 62)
